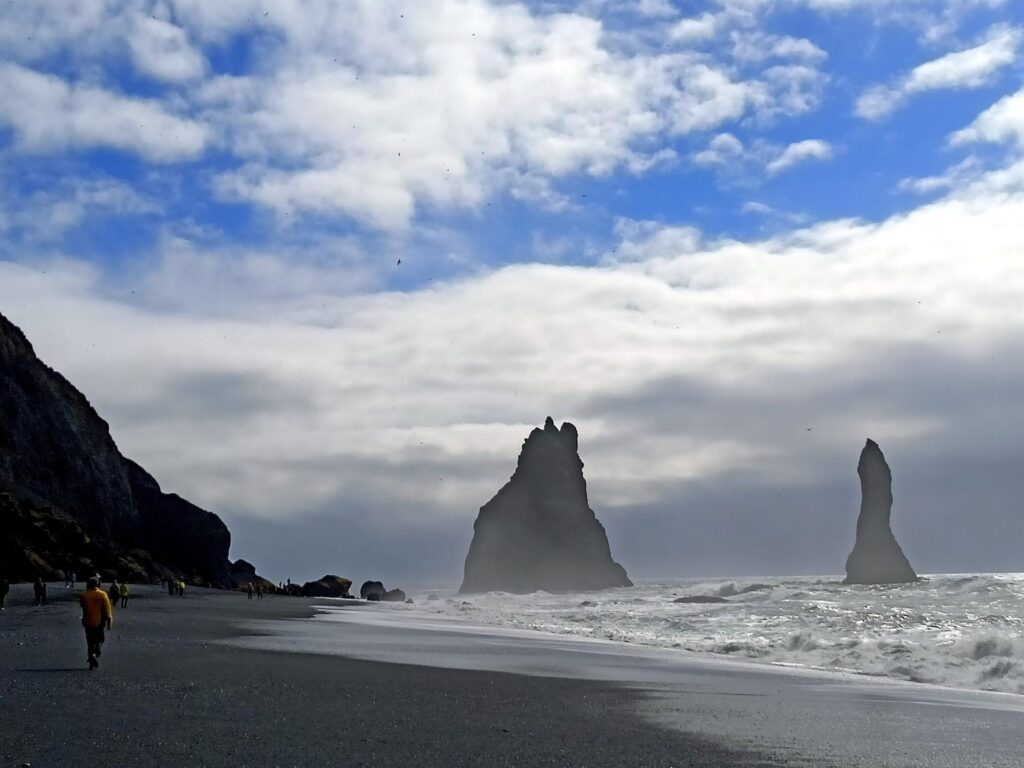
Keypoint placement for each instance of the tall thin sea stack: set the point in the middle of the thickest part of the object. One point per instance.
(876, 557)
(539, 532)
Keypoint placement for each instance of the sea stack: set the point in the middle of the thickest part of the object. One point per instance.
(539, 532)
(876, 557)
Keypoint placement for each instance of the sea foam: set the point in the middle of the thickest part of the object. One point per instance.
(958, 630)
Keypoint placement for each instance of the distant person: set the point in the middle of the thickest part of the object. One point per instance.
(39, 590)
(74, 578)
(259, 591)
(97, 615)
(124, 594)
(5, 587)
(67, 578)
(181, 588)
(114, 592)
(172, 586)
(248, 590)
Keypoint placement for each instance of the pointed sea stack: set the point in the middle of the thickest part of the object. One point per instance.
(876, 557)
(539, 531)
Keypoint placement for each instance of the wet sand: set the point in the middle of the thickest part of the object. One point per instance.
(171, 692)
(794, 716)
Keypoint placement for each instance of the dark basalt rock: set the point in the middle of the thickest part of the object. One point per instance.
(57, 454)
(538, 532)
(38, 539)
(876, 557)
(243, 573)
(328, 586)
(177, 531)
(394, 595)
(54, 446)
(372, 590)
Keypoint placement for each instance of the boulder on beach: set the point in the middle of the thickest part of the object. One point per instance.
(394, 595)
(372, 590)
(244, 573)
(328, 586)
(539, 532)
(876, 557)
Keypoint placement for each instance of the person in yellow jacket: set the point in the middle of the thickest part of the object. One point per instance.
(97, 615)
(123, 592)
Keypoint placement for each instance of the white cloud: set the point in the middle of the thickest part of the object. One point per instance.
(349, 387)
(799, 152)
(163, 50)
(954, 177)
(47, 114)
(697, 28)
(723, 149)
(454, 101)
(1003, 122)
(759, 46)
(47, 214)
(971, 68)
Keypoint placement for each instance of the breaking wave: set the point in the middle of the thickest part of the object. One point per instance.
(960, 630)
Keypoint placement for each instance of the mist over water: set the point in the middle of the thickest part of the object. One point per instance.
(962, 630)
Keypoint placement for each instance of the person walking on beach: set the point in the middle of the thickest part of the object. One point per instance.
(259, 591)
(248, 590)
(39, 590)
(114, 592)
(97, 615)
(5, 587)
(124, 594)
(181, 588)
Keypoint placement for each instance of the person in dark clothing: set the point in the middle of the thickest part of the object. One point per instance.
(248, 590)
(259, 591)
(172, 586)
(5, 587)
(39, 590)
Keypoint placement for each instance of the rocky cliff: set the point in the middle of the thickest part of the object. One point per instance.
(876, 557)
(539, 532)
(176, 531)
(73, 500)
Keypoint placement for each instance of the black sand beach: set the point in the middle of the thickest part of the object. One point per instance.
(169, 694)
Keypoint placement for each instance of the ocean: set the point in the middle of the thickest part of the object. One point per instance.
(962, 630)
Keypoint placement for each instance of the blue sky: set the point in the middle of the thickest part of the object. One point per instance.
(491, 211)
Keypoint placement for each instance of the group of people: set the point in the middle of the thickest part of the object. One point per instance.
(257, 588)
(97, 606)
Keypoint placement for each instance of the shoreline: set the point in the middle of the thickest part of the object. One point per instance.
(167, 687)
(177, 683)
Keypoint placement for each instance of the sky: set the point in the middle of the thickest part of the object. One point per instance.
(323, 265)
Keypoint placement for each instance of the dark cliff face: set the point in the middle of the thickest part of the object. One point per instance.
(539, 532)
(876, 557)
(177, 531)
(57, 453)
(55, 446)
